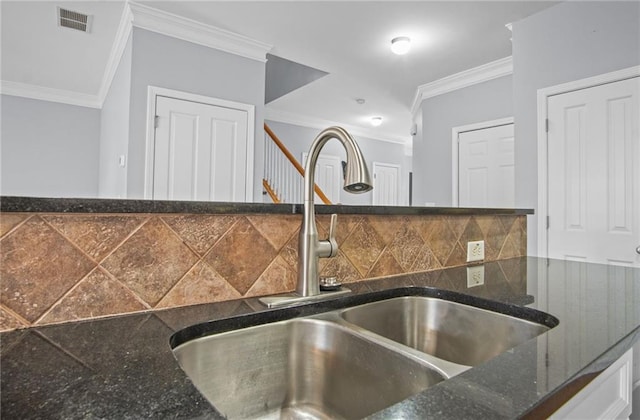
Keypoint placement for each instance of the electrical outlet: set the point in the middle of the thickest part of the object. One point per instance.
(475, 275)
(475, 251)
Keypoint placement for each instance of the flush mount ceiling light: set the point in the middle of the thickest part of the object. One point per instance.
(376, 121)
(400, 45)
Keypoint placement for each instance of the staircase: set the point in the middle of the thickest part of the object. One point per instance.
(283, 174)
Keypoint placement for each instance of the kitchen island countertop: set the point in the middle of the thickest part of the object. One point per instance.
(122, 367)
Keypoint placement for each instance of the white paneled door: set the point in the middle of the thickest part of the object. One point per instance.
(386, 181)
(328, 176)
(486, 167)
(200, 151)
(594, 174)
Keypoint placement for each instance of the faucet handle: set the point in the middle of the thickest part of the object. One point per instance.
(333, 228)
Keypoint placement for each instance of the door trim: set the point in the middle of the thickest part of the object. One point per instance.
(543, 174)
(154, 91)
(455, 150)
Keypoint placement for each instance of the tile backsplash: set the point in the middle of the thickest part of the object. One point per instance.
(58, 267)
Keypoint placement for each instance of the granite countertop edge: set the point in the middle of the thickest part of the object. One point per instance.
(11, 204)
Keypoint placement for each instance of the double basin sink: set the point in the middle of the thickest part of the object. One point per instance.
(348, 363)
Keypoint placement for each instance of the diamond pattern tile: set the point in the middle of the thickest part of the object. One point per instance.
(458, 224)
(346, 224)
(511, 247)
(441, 240)
(96, 295)
(363, 247)
(494, 235)
(278, 231)
(201, 285)
(10, 220)
(9, 322)
(277, 278)
(458, 255)
(386, 265)
(289, 252)
(151, 261)
(425, 260)
(241, 255)
(200, 231)
(37, 267)
(472, 232)
(340, 267)
(406, 246)
(49, 272)
(386, 226)
(96, 235)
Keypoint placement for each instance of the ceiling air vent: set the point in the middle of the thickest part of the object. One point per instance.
(74, 20)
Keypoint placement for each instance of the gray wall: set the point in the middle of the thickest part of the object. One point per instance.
(171, 63)
(567, 42)
(432, 160)
(298, 140)
(114, 136)
(48, 149)
(284, 76)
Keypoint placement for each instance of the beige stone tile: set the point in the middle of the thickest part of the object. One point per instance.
(346, 224)
(277, 229)
(458, 256)
(96, 235)
(425, 260)
(387, 226)
(277, 278)
(200, 231)
(289, 252)
(339, 267)
(441, 240)
(458, 224)
(38, 266)
(10, 220)
(200, 285)
(406, 246)
(241, 255)
(9, 322)
(363, 247)
(386, 265)
(151, 261)
(96, 295)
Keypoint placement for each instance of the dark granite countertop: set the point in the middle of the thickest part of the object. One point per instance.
(93, 205)
(123, 367)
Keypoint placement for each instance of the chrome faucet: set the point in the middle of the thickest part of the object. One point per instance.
(310, 248)
(357, 180)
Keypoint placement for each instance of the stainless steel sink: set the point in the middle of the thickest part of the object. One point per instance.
(451, 331)
(302, 368)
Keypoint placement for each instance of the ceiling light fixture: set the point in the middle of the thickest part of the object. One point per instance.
(400, 45)
(376, 121)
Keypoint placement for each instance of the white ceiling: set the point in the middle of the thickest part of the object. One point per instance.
(349, 40)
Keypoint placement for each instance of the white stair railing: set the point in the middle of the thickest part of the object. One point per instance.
(283, 174)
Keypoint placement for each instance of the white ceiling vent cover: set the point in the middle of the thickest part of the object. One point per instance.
(74, 20)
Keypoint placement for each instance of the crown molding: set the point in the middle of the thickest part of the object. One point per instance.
(166, 23)
(319, 123)
(483, 73)
(117, 50)
(68, 97)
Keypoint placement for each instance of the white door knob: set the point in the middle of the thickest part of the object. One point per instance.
(638, 250)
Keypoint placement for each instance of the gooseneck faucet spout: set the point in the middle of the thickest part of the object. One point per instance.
(310, 248)
(357, 180)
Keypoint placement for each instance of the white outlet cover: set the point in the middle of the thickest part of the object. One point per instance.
(475, 276)
(475, 251)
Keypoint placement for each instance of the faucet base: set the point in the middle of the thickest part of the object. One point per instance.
(292, 299)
